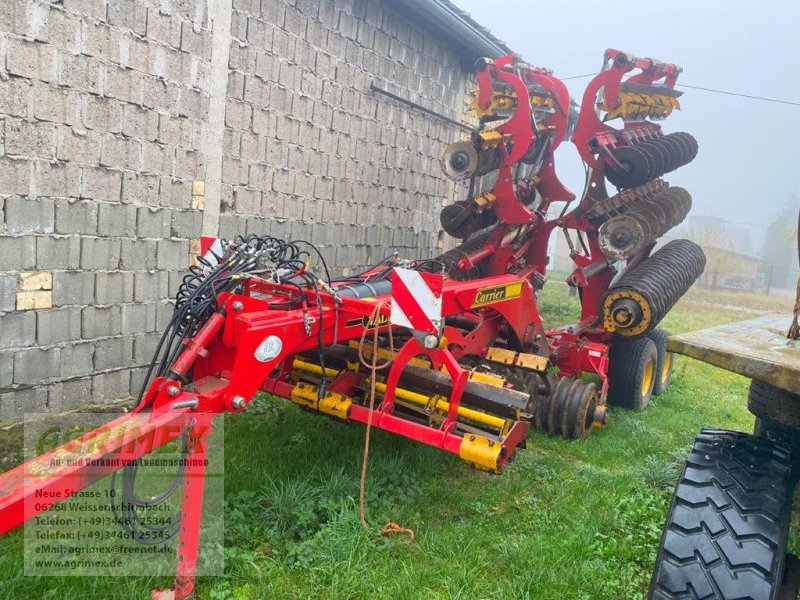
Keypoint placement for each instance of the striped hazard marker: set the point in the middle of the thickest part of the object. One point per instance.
(417, 300)
(210, 248)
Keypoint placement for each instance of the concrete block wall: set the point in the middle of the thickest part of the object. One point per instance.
(107, 129)
(311, 153)
(103, 105)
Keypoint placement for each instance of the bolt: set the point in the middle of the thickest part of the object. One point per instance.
(431, 341)
(238, 402)
(237, 305)
(191, 403)
(173, 391)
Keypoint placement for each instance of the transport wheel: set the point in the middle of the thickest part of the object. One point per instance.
(769, 402)
(664, 361)
(726, 530)
(632, 368)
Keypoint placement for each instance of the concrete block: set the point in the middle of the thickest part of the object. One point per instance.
(193, 41)
(189, 164)
(64, 31)
(159, 94)
(75, 216)
(138, 318)
(29, 216)
(128, 14)
(153, 223)
(157, 158)
(172, 254)
(117, 220)
(73, 288)
(103, 114)
(8, 293)
(30, 60)
(99, 321)
(17, 253)
(15, 176)
(164, 313)
(139, 123)
(175, 193)
(120, 153)
(29, 138)
(113, 288)
(102, 184)
(6, 370)
(187, 224)
(35, 365)
(77, 360)
(110, 387)
(14, 405)
(14, 96)
(144, 347)
(124, 85)
(163, 27)
(231, 225)
(150, 286)
(99, 254)
(175, 279)
(114, 353)
(138, 254)
(238, 115)
(80, 73)
(193, 104)
(57, 179)
(57, 105)
(81, 148)
(140, 188)
(101, 41)
(57, 326)
(65, 395)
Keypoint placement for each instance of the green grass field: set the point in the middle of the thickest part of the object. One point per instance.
(568, 520)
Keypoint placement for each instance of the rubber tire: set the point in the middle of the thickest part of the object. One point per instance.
(726, 531)
(627, 361)
(659, 337)
(766, 401)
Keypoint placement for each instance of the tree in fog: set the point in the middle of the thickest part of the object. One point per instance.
(780, 245)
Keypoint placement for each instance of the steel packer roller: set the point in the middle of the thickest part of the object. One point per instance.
(643, 222)
(642, 297)
(640, 151)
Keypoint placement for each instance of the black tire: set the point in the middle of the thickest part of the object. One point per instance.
(664, 362)
(727, 527)
(766, 401)
(631, 372)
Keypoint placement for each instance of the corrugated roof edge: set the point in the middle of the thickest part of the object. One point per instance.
(474, 39)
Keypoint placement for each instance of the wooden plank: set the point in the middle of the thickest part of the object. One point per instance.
(757, 348)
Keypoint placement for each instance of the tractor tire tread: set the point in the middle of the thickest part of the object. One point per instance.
(726, 531)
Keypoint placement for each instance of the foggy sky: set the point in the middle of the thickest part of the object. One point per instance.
(749, 159)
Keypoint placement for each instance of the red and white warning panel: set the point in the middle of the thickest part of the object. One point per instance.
(417, 300)
(210, 249)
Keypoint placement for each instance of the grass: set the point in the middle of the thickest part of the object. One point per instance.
(568, 520)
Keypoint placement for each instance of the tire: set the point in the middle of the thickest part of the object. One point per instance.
(766, 401)
(664, 363)
(728, 523)
(631, 373)
(780, 434)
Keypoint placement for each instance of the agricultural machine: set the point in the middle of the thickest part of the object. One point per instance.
(450, 351)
